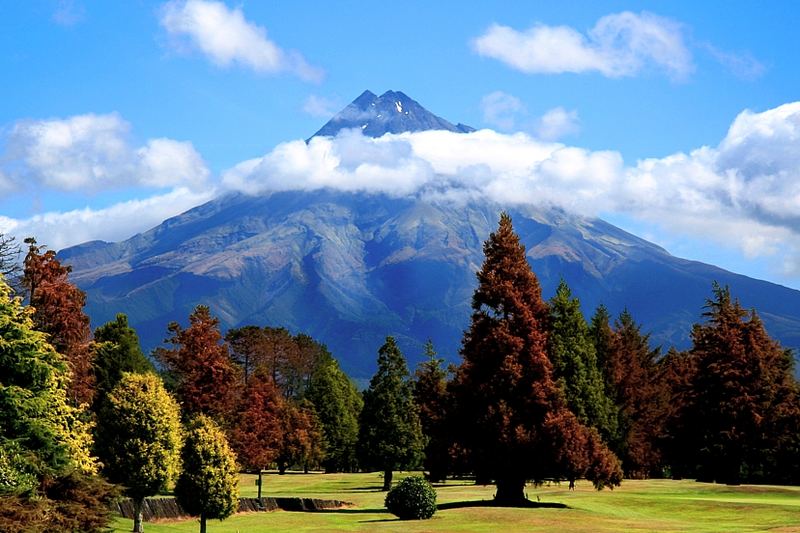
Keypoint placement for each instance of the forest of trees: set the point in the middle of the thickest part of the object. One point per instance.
(541, 393)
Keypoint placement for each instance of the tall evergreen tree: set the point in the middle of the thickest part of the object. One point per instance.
(511, 412)
(117, 351)
(206, 378)
(208, 485)
(743, 398)
(139, 438)
(338, 405)
(430, 394)
(640, 395)
(390, 436)
(574, 361)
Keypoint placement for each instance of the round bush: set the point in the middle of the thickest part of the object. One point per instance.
(412, 499)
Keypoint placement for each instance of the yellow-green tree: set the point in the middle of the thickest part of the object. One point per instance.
(139, 438)
(208, 486)
(46, 468)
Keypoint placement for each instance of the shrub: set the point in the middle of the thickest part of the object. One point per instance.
(412, 499)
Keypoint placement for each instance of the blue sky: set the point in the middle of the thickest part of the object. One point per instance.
(165, 99)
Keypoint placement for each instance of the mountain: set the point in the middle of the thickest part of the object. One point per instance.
(350, 268)
(391, 112)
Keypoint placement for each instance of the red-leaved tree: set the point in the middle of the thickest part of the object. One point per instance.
(205, 378)
(58, 311)
(514, 420)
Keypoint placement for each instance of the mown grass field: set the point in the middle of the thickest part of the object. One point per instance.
(653, 505)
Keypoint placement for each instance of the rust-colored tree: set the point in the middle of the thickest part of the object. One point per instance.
(204, 375)
(634, 382)
(510, 410)
(258, 428)
(302, 438)
(741, 413)
(58, 312)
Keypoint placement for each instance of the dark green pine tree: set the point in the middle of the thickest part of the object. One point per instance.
(575, 369)
(430, 393)
(601, 336)
(338, 405)
(117, 351)
(390, 436)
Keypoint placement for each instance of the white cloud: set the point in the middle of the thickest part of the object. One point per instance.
(321, 107)
(117, 222)
(621, 44)
(743, 193)
(93, 152)
(507, 113)
(502, 110)
(557, 123)
(226, 37)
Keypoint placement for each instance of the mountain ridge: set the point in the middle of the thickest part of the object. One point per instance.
(350, 268)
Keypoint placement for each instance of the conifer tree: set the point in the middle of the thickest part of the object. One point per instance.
(338, 405)
(139, 438)
(511, 412)
(58, 311)
(117, 351)
(208, 485)
(633, 378)
(430, 394)
(390, 436)
(199, 362)
(574, 361)
(742, 398)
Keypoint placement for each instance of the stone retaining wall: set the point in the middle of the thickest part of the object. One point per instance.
(168, 508)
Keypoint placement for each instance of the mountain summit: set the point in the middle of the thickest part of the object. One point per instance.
(391, 112)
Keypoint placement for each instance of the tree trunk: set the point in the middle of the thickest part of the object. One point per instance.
(202, 522)
(138, 526)
(387, 479)
(282, 468)
(510, 492)
(260, 482)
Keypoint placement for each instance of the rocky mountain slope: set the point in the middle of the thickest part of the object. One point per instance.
(351, 268)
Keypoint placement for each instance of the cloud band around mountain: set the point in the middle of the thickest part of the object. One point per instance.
(744, 192)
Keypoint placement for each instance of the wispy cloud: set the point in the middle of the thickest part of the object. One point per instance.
(622, 44)
(557, 123)
(741, 64)
(227, 38)
(508, 113)
(502, 110)
(68, 13)
(94, 152)
(321, 107)
(59, 230)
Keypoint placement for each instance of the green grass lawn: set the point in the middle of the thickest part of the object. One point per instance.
(653, 505)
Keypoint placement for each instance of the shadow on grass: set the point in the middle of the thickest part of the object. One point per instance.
(527, 504)
(349, 510)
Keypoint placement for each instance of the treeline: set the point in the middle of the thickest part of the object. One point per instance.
(540, 394)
